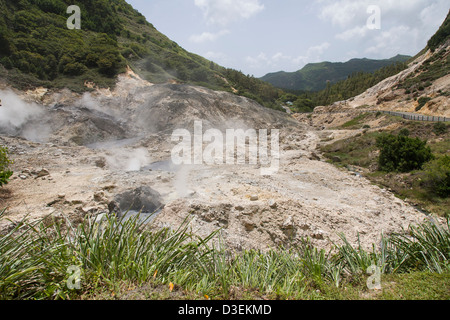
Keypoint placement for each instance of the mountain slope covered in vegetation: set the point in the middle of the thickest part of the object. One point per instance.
(315, 76)
(37, 49)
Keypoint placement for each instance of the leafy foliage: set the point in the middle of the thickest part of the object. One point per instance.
(437, 66)
(37, 43)
(5, 162)
(354, 85)
(440, 128)
(438, 176)
(442, 35)
(402, 153)
(35, 257)
(422, 102)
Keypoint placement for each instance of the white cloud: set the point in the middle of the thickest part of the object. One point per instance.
(207, 36)
(342, 13)
(348, 13)
(223, 12)
(318, 50)
(351, 34)
(258, 61)
(313, 54)
(392, 41)
(406, 25)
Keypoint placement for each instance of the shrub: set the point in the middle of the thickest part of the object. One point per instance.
(438, 176)
(439, 128)
(75, 69)
(401, 153)
(422, 101)
(303, 105)
(404, 132)
(5, 172)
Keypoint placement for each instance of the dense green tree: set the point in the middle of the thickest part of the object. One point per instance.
(354, 85)
(402, 153)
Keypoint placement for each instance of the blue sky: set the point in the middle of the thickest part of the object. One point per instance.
(262, 36)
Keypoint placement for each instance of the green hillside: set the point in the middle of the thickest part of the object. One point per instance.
(315, 76)
(442, 35)
(37, 49)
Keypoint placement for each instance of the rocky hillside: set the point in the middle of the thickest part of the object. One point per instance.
(424, 87)
(134, 108)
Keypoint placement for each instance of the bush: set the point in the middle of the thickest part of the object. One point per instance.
(5, 172)
(439, 128)
(422, 102)
(75, 69)
(404, 132)
(438, 176)
(303, 105)
(401, 153)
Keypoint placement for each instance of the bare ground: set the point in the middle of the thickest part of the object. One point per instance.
(307, 197)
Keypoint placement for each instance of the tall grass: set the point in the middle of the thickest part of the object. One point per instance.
(35, 258)
(19, 270)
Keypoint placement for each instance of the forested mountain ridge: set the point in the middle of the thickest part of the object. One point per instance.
(37, 49)
(315, 76)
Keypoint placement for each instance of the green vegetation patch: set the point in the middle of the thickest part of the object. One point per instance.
(416, 286)
(434, 68)
(425, 187)
(401, 153)
(358, 122)
(442, 35)
(5, 162)
(422, 102)
(127, 259)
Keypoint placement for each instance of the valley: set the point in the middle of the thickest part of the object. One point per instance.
(307, 197)
(153, 173)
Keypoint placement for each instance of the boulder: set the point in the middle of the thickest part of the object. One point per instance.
(143, 199)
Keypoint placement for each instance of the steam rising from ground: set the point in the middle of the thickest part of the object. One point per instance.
(181, 181)
(123, 159)
(95, 103)
(15, 113)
